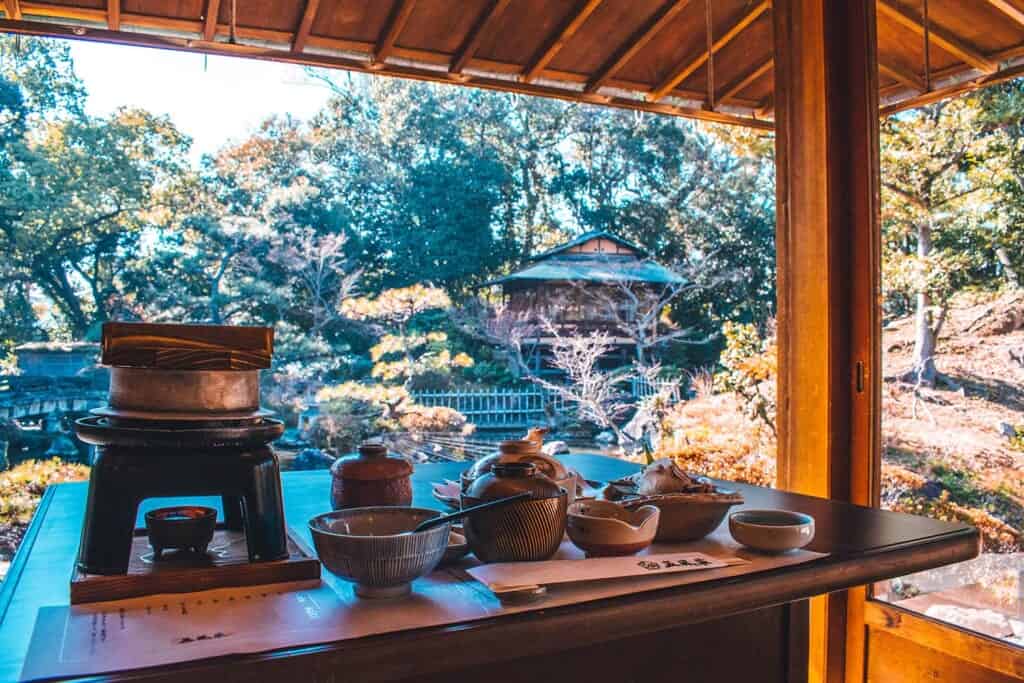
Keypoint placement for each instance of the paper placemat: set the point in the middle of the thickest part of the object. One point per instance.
(141, 632)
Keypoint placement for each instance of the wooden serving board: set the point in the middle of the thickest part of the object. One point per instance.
(225, 565)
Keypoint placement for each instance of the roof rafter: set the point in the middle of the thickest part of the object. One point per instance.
(210, 19)
(1009, 10)
(305, 25)
(953, 90)
(168, 42)
(941, 37)
(745, 80)
(12, 8)
(114, 15)
(902, 76)
(476, 35)
(683, 71)
(560, 38)
(636, 42)
(392, 29)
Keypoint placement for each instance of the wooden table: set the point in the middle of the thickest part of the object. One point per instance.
(747, 628)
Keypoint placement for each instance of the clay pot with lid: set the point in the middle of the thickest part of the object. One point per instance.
(528, 452)
(524, 531)
(371, 478)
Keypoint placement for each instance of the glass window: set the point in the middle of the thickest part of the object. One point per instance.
(953, 393)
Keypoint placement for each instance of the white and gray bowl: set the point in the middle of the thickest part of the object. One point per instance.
(376, 549)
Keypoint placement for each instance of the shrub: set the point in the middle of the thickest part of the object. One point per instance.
(20, 491)
(23, 486)
(435, 419)
(712, 436)
(749, 369)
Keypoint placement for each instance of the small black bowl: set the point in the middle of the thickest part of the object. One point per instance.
(181, 528)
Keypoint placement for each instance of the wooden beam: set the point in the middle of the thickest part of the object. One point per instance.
(476, 35)
(560, 38)
(828, 256)
(210, 19)
(953, 90)
(432, 75)
(636, 42)
(903, 76)
(392, 29)
(994, 655)
(747, 79)
(305, 25)
(941, 37)
(1009, 10)
(680, 73)
(114, 15)
(12, 9)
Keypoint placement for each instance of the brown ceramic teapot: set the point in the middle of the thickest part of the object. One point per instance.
(372, 477)
(523, 531)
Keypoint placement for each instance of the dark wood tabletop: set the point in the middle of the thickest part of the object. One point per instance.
(863, 545)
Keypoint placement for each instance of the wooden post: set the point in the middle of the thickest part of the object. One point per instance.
(826, 114)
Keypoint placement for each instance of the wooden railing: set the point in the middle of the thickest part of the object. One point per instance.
(519, 408)
(497, 408)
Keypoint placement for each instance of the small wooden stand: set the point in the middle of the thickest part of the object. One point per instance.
(225, 565)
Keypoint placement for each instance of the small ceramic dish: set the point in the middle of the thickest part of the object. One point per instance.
(601, 528)
(772, 531)
(376, 548)
(447, 492)
(180, 528)
(458, 547)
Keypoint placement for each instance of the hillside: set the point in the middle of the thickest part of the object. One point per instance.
(959, 442)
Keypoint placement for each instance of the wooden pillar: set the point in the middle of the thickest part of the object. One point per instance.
(826, 113)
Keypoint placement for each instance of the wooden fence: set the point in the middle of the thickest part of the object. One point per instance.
(516, 408)
(497, 408)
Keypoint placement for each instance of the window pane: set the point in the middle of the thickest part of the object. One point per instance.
(953, 392)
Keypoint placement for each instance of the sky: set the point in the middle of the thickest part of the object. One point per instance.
(214, 100)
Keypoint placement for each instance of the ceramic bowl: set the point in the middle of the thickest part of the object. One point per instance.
(375, 547)
(180, 528)
(523, 531)
(772, 531)
(687, 516)
(602, 528)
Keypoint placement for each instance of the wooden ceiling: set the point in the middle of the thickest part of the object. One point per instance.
(706, 59)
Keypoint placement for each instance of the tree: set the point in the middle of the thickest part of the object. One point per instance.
(639, 312)
(85, 192)
(1003, 113)
(401, 358)
(935, 183)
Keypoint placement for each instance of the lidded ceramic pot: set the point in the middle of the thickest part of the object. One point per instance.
(523, 451)
(523, 531)
(371, 478)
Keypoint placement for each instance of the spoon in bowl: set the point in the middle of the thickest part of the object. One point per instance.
(464, 512)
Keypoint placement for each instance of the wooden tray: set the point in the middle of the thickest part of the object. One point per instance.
(225, 565)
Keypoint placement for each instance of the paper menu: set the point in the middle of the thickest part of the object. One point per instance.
(169, 628)
(511, 575)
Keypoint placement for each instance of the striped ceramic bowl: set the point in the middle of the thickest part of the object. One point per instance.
(374, 547)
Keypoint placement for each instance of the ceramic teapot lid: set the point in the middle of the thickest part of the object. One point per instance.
(509, 478)
(519, 451)
(371, 463)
